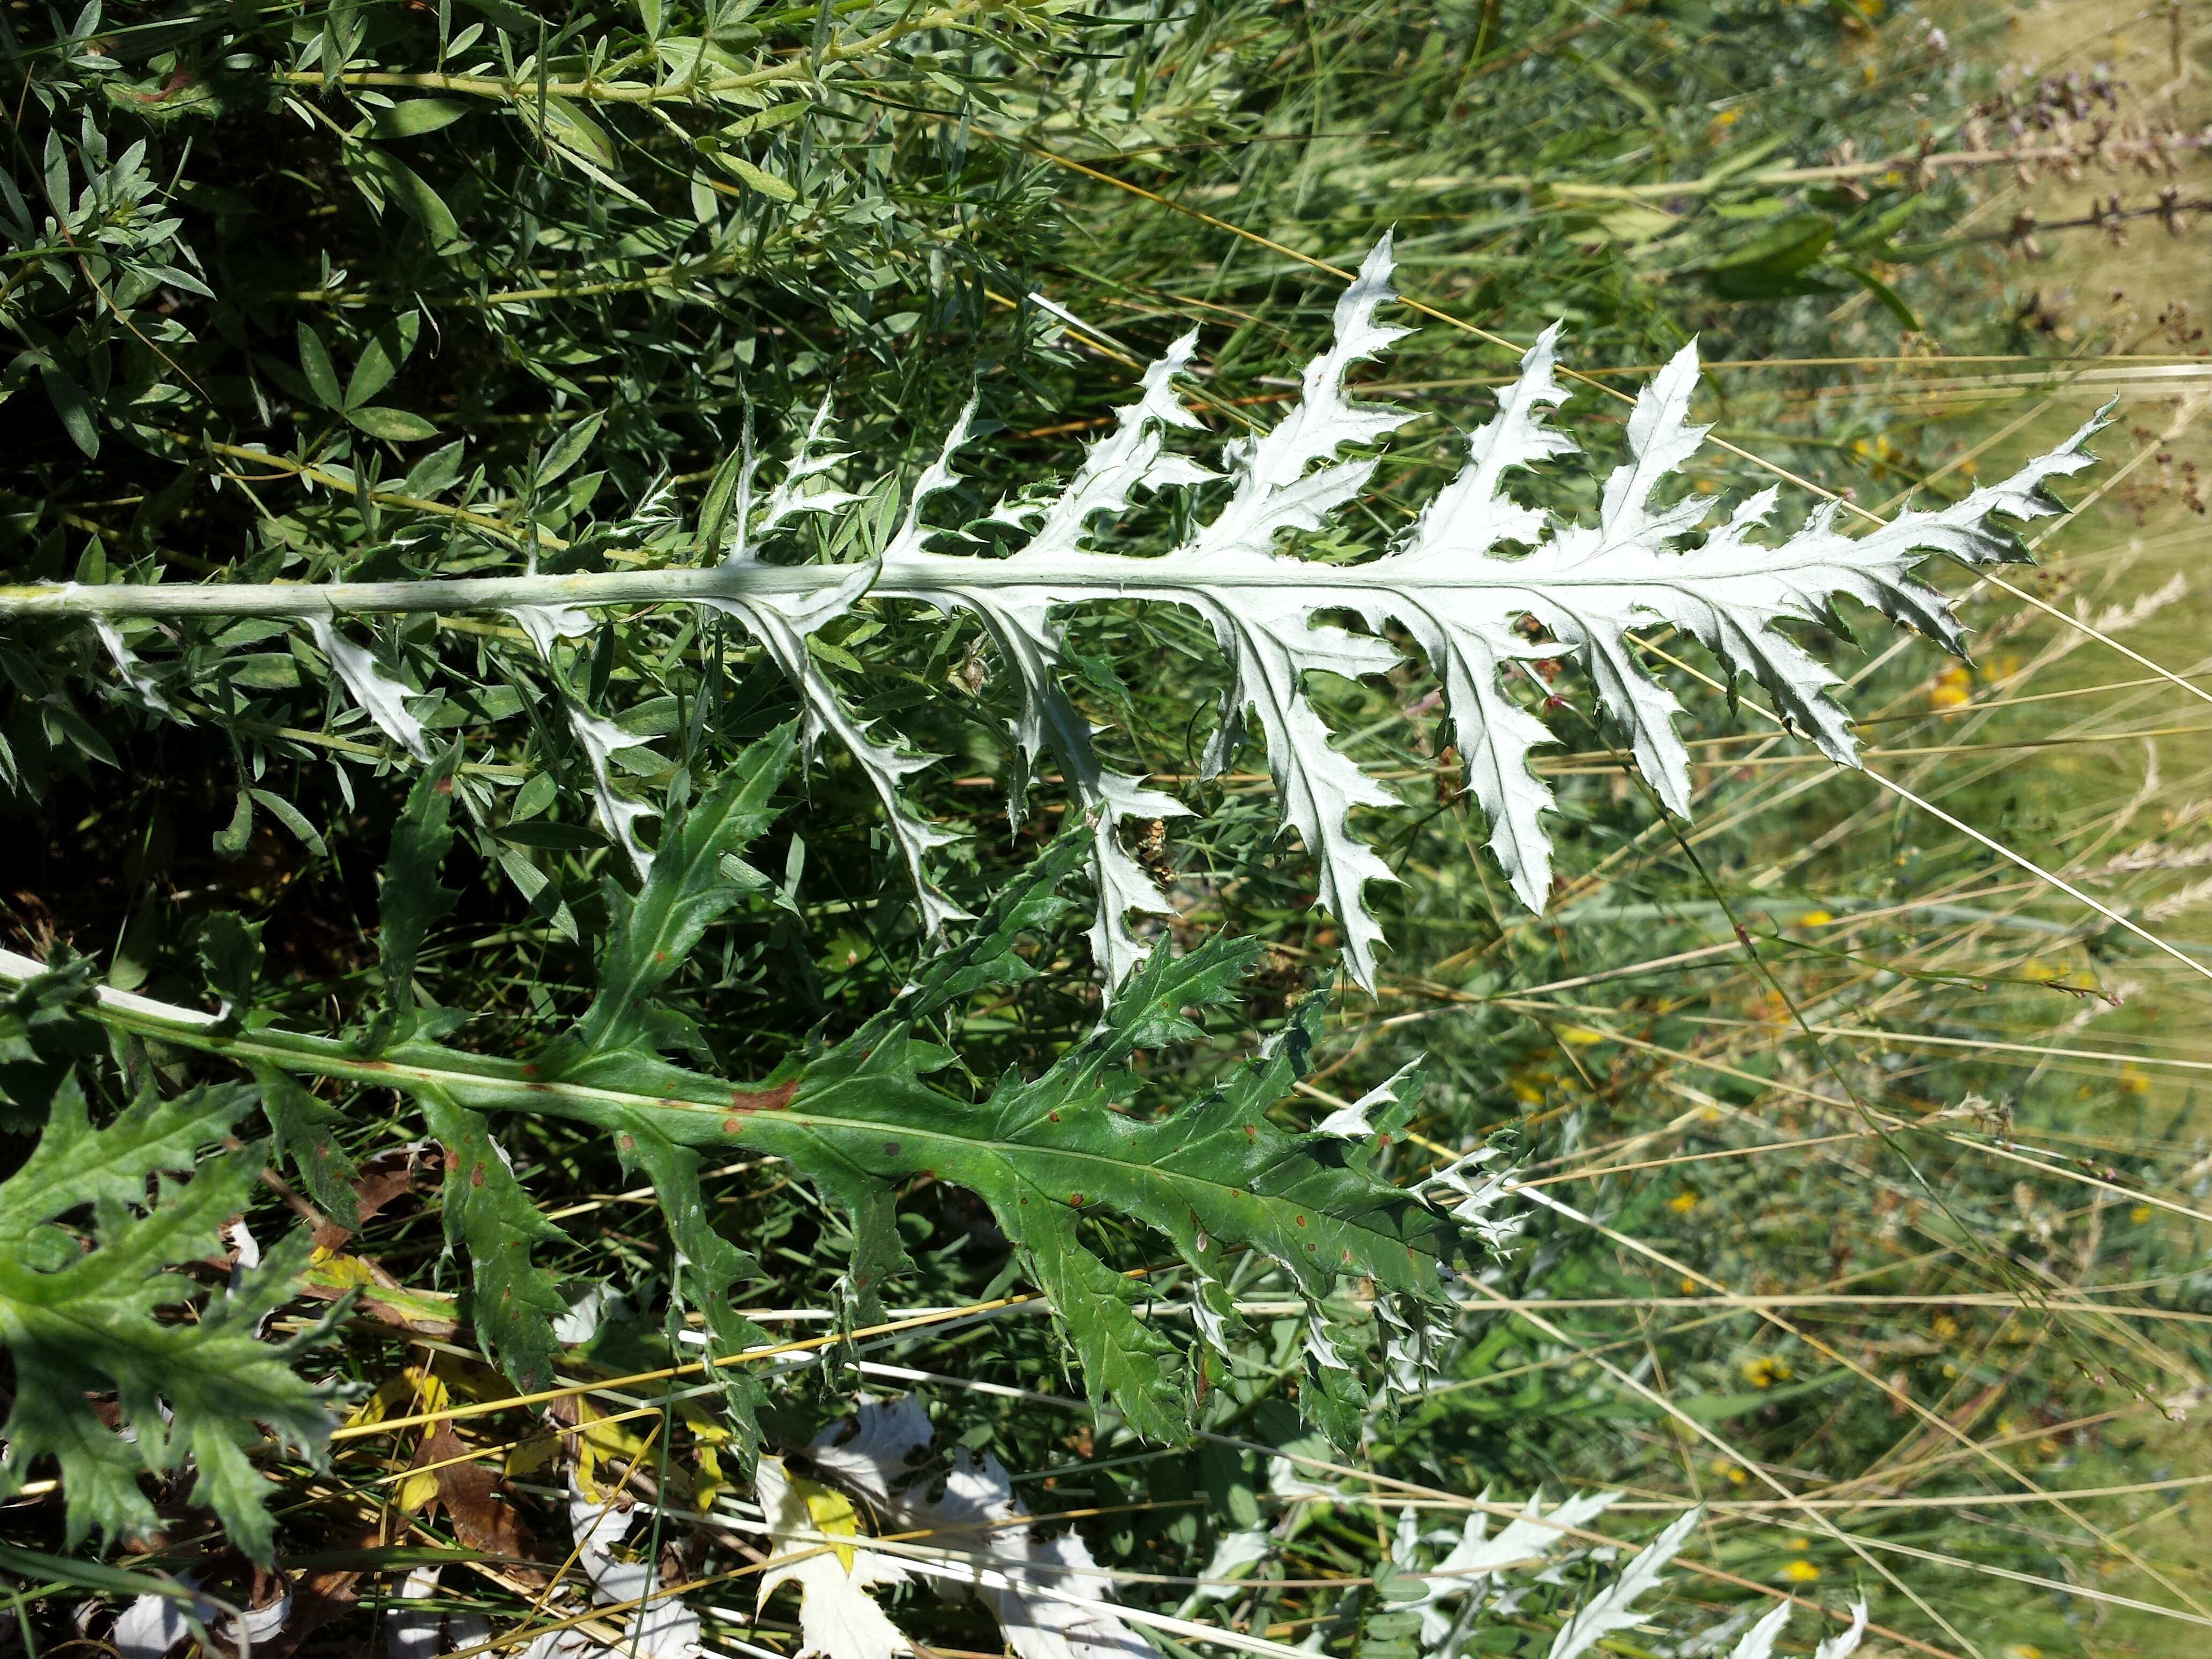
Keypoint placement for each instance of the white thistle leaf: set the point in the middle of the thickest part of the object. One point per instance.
(782, 628)
(382, 698)
(1021, 625)
(781, 621)
(1210, 1309)
(418, 1634)
(878, 1454)
(617, 813)
(1320, 1347)
(131, 671)
(837, 1617)
(548, 624)
(1285, 1481)
(152, 1624)
(1845, 1643)
(600, 738)
(1478, 1191)
(1474, 570)
(1274, 490)
(1048, 1596)
(661, 1628)
(1414, 1342)
(1350, 1122)
(1475, 1559)
(1759, 1641)
(815, 456)
(1614, 1608)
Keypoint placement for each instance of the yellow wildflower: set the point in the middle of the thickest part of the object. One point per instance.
(1767, 1371)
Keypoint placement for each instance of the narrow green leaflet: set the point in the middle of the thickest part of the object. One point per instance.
(413, 898)
(697, 877)
(307, 1128)
(514, 1300)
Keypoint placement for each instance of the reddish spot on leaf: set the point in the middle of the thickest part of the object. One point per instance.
(763, 1100)
(1075, 1199)
(475, 1175)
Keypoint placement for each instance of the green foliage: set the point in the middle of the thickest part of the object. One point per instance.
(94, 1226)
(1047, 1155)
(413, 294)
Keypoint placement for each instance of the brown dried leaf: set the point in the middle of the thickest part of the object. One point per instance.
(483, 1519)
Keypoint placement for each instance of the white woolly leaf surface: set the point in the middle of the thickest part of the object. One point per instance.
(1614, 1608)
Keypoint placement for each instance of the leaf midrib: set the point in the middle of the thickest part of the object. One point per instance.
(323, 1057)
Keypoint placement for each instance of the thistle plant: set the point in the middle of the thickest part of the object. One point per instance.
(834, 811)
(858, 1118)
(1451, 586)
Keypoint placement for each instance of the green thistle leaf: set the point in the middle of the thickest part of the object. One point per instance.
(81, 1321)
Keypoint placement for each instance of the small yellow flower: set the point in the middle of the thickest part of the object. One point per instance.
(1689, 1287)
(1954, 687)
(1944, 1326)
(1579, 1036)
(2134, 1080)
(1683, 1202)
(1800, 1571)
(2141, 1213)
(1727, 117)
(2022, 1650)
(1814, 919)
(1765, 1371)
(1736, 1476)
